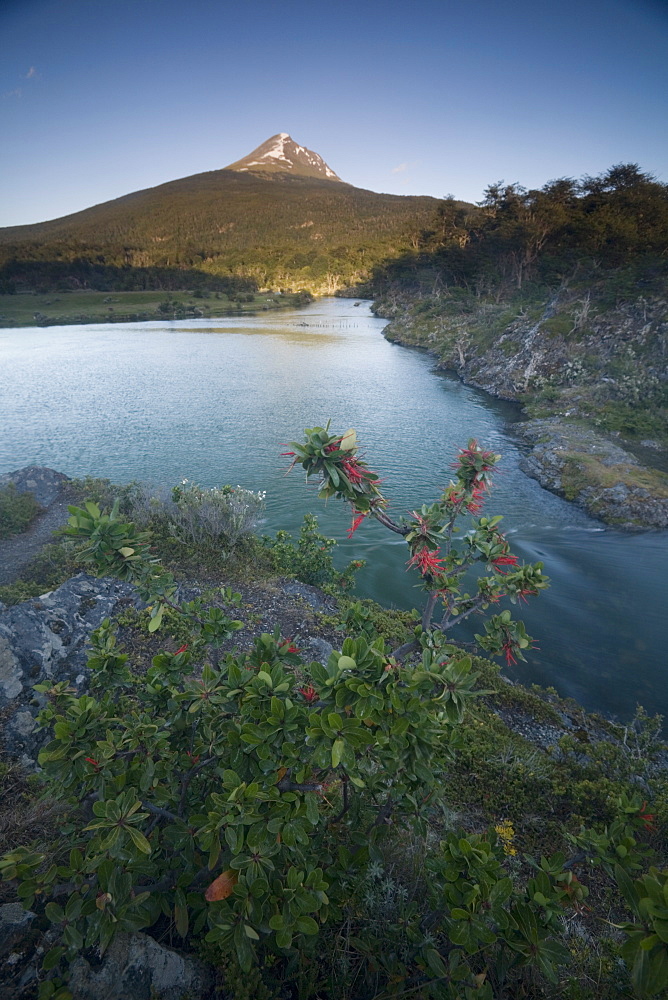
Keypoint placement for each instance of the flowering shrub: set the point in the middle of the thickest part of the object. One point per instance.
(217, 516)
(442, 560)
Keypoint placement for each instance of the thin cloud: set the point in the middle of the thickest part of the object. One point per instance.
(403, 167)
(16, 92)
(31, 72)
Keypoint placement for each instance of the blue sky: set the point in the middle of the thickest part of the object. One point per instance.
(102, 97)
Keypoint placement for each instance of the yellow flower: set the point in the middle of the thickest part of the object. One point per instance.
(506, 832)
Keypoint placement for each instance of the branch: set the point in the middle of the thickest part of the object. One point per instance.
(401, 652)
(429, 610)
(164, 813)
(448, 623)
(389, 523)
(187, 778)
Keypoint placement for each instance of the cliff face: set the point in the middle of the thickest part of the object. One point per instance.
(585, 371)
(569, 342)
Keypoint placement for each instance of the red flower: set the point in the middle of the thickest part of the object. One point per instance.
(309, 692)
(475, 504)
(426, 561)
(351, 468)
(181, 650)
(355, 525)
(506, 560)
(647, 818)
(90, 760)
(193, 756)
(287, 646)
(509, 650)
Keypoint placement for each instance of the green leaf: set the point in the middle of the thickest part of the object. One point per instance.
(337, 752)
(181, 912)
(307, 925)
(139, 840)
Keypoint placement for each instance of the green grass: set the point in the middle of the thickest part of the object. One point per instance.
(64, 308)
(17, 511)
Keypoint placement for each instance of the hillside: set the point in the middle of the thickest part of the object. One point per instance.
(276, 228)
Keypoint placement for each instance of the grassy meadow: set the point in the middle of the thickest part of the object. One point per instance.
(65, 308)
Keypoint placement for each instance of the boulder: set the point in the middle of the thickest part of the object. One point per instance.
(47, 639)
(44, 484)
(136, 967)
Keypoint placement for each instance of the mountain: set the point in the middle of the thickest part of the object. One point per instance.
(279, 217)
(281, 152)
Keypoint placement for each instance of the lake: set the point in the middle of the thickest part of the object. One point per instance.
(212, 400)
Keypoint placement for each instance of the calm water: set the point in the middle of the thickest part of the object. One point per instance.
(211, 400)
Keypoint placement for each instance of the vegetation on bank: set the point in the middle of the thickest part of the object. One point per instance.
(380, 825)
(67, 307)
(17, 511)
(555, 297)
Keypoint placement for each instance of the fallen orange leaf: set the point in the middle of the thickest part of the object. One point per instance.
(221, 887)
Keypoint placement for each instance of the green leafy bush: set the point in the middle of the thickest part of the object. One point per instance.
(17, 511)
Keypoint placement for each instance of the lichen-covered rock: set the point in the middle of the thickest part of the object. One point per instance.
(47, 639)
(44, 484)
(14, 924)
(136, 967)
(599, 475)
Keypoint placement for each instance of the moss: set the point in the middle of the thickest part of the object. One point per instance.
(582, 470)
(17, 511)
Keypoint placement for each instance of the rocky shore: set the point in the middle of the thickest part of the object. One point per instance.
(598, 475)
(570, 369)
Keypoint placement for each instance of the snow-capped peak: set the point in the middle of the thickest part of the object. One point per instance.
(281, 152)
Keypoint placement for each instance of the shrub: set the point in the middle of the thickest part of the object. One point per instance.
(17, 511)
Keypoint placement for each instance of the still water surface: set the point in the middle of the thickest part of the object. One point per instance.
(211, 400)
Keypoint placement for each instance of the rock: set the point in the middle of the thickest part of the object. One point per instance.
(576, 462)
(319, 649)
(136, 967)
(14, 923)
(48, 640)
(44, 484)
(313, 597)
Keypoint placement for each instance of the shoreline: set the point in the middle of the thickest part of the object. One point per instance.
(567, 455)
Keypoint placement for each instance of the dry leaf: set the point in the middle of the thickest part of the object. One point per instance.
(221, 887)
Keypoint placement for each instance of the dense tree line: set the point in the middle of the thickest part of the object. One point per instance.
(514, 236)
(81, 273)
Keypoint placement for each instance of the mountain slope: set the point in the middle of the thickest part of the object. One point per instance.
(281, 153)
(282, 230)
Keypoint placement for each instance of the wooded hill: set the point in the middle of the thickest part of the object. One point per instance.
(515, 238)
(276, 230)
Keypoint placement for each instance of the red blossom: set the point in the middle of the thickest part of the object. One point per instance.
(90, 760)
(355, 525)
(287, 646)
(193, 756)
(426, 561)
(475, 504)
(506, 560)
(509, 650)
(647, 817)
(181, 650)
(352, 469)
(309, 692)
